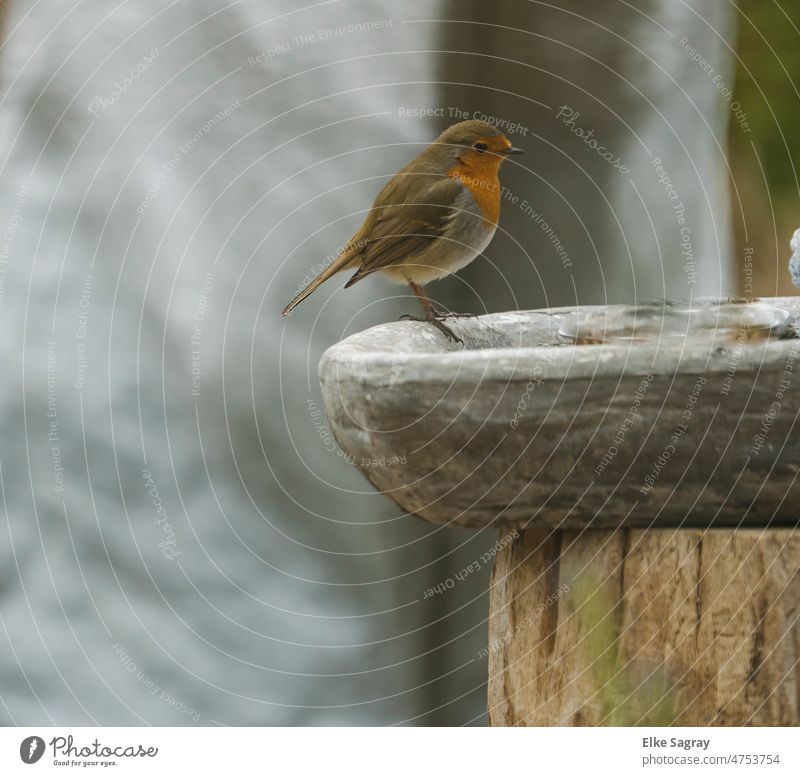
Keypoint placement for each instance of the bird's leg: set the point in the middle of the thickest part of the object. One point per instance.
(440, 312)
(432, 315)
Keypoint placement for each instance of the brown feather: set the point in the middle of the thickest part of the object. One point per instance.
(404, 229)
(348, 256)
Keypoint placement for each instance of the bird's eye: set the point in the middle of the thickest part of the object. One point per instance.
(480, 147)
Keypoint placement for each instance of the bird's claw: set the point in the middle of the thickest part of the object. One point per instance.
(436, 321)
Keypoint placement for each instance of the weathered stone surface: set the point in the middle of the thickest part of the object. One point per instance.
(518, 428)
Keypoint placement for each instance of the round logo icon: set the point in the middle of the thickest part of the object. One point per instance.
(31, 749)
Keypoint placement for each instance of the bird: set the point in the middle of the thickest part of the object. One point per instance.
(435, 216)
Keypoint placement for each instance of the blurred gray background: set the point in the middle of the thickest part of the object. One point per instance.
(182, 541)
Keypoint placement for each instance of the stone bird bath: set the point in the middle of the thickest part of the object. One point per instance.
(641, 465)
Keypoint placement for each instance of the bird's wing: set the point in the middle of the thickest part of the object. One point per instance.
(407, 227)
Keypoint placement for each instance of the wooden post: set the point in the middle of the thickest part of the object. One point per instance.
(649, 627)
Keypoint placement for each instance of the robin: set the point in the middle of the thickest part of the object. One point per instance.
(431, 219)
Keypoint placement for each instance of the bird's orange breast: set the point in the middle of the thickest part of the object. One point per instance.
(484, 185)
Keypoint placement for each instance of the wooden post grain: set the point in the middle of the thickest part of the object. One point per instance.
(625, 627)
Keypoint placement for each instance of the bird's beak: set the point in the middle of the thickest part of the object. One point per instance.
(512, 150)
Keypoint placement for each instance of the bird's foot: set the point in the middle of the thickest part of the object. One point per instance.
(435, 319)
(442, 313)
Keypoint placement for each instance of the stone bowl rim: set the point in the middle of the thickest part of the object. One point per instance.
(388, 350)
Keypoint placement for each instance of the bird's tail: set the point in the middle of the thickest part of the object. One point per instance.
(348, 256)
